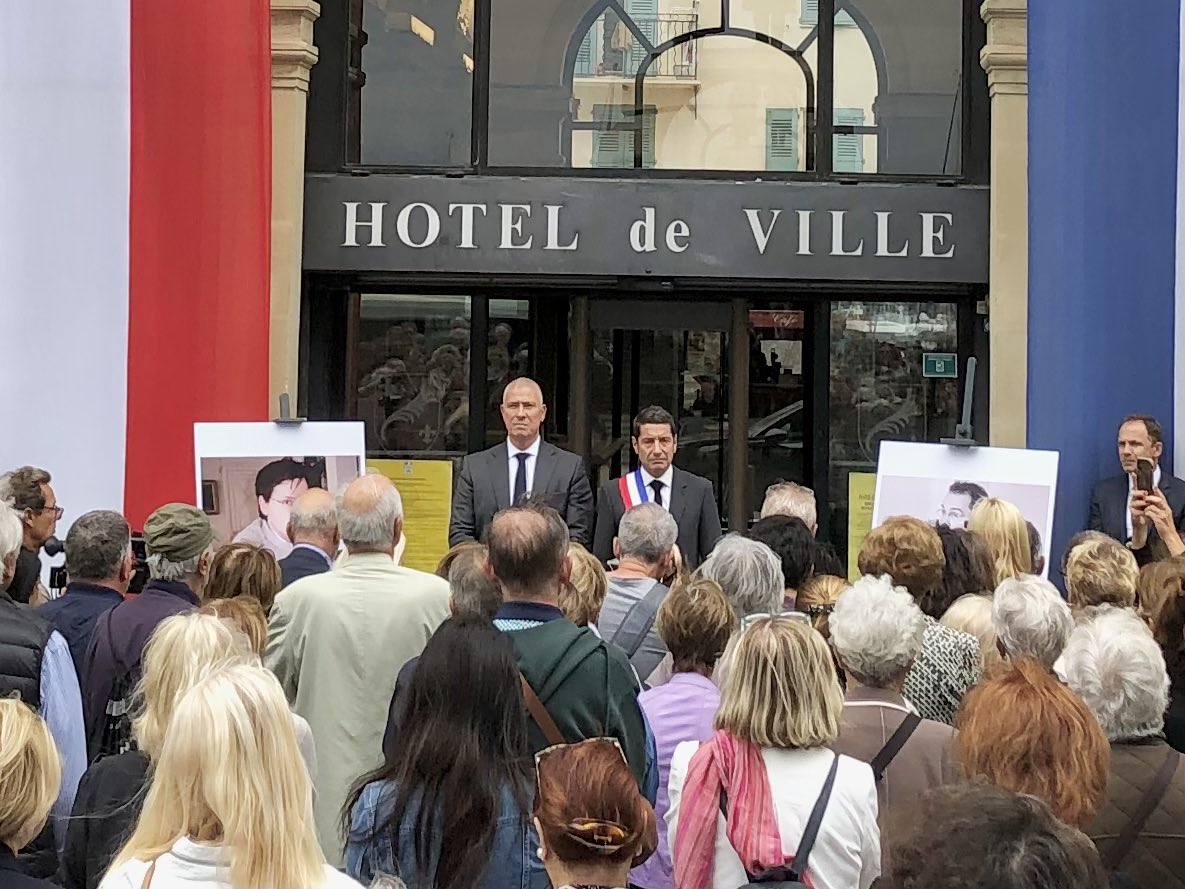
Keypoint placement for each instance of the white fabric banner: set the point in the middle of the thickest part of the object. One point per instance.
(64, 195)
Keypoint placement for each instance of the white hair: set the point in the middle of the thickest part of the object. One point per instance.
(749, 573)
(791, 499)
(319, 520)
(877, 630)
(12, 531)
(162, 568)
(1116, 667)
(1031, 619)
(374, 529)
(647, 532)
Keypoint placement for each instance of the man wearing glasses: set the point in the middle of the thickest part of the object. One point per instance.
(278, 485)
(27, 490)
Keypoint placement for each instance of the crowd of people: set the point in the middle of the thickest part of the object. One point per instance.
(530, 716)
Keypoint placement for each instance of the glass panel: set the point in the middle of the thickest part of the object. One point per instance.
(413, 99)
(777, 396)
(413, 363)
(901, 61)
(878, 391)
(508, 357)
(681, 370)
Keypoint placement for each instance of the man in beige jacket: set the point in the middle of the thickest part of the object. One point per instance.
(337, 640)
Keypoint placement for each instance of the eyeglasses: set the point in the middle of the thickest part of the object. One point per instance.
(749, 619)
(56, 510)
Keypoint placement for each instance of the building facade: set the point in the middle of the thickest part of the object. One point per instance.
(761, 215)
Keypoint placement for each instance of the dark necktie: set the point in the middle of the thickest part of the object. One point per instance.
(656, 487)
(520, 479)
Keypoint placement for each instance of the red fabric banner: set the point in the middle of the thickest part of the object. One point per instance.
(200, 234)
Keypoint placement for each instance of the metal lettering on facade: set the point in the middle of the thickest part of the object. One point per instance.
(653, 228)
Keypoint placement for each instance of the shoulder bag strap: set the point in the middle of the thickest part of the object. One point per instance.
(147, 881)
(893, 746)
(638, 621)
(812, 826)
(539, 713)
(1118, 850)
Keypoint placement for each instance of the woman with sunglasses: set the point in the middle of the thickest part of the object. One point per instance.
(593, 823)
(743, 802)
(450, 806)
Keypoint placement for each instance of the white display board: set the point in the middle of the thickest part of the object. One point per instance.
(940, 483)
(247, 475)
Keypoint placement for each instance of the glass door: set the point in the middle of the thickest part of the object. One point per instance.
(670, 353)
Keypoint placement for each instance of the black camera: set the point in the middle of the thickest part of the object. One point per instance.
(58, 578)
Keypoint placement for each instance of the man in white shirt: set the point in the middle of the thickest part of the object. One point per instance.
(523, 465)
(687, 497)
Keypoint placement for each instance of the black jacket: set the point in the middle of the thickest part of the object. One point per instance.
(108, 803)
(483, 488)
(74, 613)
(13, 876)
(23, 637)
(1109, 506)
(301, 562)
(117, 645)
(693, 505)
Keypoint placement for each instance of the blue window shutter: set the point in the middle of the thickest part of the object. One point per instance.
(781, 139)
(645, 16)
(584, 56)
(847, 155)
(613, 144)
(842, 19)
(809, 12)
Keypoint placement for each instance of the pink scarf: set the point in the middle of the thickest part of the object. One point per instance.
(734, 766)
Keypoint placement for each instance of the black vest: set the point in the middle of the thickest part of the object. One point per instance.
(23, 637)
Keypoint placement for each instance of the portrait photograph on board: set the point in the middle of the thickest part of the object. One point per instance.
(249, 495)
(941, 484)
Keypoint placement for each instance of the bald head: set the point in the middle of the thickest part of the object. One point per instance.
(370, 515)
(528, 552)
(523, 411)
(314, 520)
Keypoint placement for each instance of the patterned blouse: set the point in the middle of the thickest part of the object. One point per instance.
(946, 668)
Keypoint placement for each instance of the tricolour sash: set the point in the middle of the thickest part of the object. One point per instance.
(633, 491)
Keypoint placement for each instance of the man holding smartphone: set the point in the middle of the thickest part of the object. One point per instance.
(1143, 507)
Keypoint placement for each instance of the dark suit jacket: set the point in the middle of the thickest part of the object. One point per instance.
(693, 506)
(1108, 504)
(301, 562)
(483, 488)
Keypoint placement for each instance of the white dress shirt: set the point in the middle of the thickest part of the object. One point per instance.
(533, 457)
(1131, 492)
(666, 479)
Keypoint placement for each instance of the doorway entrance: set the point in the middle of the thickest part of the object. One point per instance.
(680, 355)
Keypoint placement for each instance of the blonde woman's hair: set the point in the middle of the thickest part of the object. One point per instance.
(781, 689)
(1006, 533)
(30, 773)
(817, 598)
(583, 595)
(1102, 572)
(243, 613)
(181, 651)
(1159, 582)
(972, 614)
(230, 773)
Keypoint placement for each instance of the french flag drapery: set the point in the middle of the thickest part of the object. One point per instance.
(135, 172)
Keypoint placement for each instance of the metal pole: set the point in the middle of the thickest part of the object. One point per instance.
(738, 415)
(580, 384)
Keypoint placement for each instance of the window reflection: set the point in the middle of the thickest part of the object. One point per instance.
(777, 398)
(412, 92)
(413, 362)
(878, 390)
(508, 357)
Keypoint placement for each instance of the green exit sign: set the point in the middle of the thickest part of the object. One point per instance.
(943, 365)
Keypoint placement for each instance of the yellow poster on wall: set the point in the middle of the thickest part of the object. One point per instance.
(426, 487)
(861, 491)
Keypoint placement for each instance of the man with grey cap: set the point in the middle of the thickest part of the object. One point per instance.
(180, 541)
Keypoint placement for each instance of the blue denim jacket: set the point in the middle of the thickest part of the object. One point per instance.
(514, 862)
